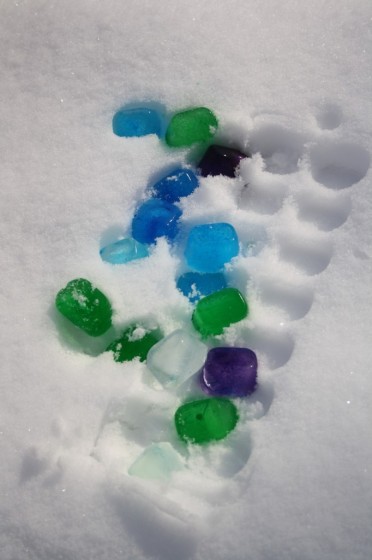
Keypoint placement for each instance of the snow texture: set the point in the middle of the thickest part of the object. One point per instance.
(289, 81)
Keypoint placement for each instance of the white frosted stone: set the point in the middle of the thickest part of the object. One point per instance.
(176, 357)
(157, 462)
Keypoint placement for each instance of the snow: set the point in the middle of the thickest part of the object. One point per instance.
(290, 81)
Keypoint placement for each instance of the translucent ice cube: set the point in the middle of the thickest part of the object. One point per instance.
(176, 357)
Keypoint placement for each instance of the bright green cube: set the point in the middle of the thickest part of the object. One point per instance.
(134, 344)
(190, 126)
(217, 311)
(85, 306)
(206, 420)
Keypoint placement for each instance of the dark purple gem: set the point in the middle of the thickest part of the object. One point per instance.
(219, 160)
(229, 372)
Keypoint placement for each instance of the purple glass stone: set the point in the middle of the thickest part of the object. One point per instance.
(229, 372)
(219, 160)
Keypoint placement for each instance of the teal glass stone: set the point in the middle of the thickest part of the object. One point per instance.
(210, 246)
(136, 122)
(124, 251)
(195, 285)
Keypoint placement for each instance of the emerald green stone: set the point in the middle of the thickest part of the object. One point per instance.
(219, 310)
(188, 127)
(206, 420)
(85, 306)
(135, 342)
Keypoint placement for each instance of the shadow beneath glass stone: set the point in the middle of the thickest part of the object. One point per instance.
(77, 340)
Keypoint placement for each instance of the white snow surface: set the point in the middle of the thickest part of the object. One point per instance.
(291, 82)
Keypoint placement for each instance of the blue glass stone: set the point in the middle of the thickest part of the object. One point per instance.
(210, 246)
(179, 183)
(195, 285)
(136, 122)
(124, 251)
(155, 218)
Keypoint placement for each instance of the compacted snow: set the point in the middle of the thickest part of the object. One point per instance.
(291, 83)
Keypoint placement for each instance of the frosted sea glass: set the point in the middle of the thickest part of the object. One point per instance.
(157, 462)
(123, 251)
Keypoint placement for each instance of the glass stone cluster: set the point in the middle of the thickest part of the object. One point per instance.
(221, 373)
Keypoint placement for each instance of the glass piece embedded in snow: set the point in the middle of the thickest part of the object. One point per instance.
(136, 122)
(219, 160)
(210, 246)
(176, 358)
(157, 462)
(135, 342)
(229, 372)
(175, 185)
(85, 306)
(195, 285)
(124, 251)
(206, 420)
(190, 126)
(155, 218)
(219, 310)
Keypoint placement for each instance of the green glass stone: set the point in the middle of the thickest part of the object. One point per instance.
(219, 310)
(188, 127)
(85, 306)
(135, 342)
(206, 420)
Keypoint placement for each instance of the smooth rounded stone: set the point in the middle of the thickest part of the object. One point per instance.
(220, 160)
(229, 372)
(157, 462)
(217, 311)
(176, 358)
(85, 306)
(210, 246)
(155, 218)
(206, 420)
(136, 122)
(195, 285)
(175, 185)
(190, 126)
(135, 342)
(124, 251)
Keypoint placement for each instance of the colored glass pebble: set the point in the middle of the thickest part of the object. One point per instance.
(155, 218)
(190, 126)
(206, 420)
(176, 358)
(219, 310)
(124, 251)
(135, 342)
(195, 285)
(210, 246)
(175, 185)
(136, 122)
(219, 160)
(229, 372)
(157, 462)
(85, 306)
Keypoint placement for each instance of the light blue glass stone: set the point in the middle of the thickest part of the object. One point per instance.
(136, 122)
(124, 251)
(155, 218)
(210, 246)
(195, 285)
(157, 462)
(175, 185)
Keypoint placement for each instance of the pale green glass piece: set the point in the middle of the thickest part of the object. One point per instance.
(157, 462)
